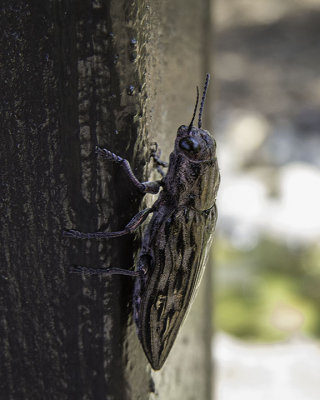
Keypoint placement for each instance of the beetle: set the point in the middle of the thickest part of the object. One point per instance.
(176, 240)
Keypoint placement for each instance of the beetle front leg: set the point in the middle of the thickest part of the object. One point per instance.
(143, 187)
(133, 225)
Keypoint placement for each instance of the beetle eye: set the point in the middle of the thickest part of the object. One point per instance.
(189, 144)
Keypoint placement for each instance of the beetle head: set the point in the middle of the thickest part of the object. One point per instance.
(196, 143)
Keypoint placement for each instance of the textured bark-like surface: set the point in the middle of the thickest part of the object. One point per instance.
(75, 74)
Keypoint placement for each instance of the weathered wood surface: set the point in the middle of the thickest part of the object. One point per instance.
(74, 74)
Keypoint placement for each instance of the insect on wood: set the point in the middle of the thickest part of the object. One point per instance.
(176, 240)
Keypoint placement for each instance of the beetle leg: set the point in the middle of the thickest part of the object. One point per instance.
(79, 269)
(161, 171)
(136, 221)
(143, 187)
(156, 154)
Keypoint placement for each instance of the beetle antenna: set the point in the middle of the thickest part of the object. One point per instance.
(202, 100)
(195, 110)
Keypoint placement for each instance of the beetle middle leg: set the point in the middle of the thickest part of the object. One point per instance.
(133, 225)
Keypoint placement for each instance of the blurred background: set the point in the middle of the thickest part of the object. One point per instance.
(267, 247)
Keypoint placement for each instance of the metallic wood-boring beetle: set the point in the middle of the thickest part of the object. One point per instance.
(176, 240)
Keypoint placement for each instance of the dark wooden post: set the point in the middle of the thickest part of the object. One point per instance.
(75, 74)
